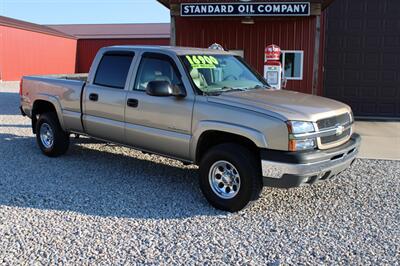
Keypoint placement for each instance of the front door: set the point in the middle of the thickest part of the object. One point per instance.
(104, 100)
(158, 124)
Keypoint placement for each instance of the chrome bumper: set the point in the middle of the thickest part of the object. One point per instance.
(283, 174)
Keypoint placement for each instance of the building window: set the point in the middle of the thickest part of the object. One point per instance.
(292, 64)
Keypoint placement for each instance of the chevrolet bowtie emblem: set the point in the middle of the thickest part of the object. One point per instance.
(339, 130)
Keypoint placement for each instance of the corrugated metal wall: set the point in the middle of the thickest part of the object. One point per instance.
(31, 53)
(87, 49)
(289, 33)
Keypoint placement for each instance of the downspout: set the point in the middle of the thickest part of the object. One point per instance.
(316, 55)
(173, 31)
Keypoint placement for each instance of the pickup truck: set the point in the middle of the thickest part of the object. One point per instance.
(200, 106)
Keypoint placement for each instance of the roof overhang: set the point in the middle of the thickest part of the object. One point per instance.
(24, 25)
(324, 3)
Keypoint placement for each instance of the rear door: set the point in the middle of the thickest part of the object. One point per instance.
(159, 124)
(104, 99)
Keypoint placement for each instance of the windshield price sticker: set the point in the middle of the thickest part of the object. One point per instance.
(202, 61)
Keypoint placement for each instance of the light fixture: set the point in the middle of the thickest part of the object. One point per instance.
(248, 21)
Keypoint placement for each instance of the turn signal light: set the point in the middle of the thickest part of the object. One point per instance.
(301, 145)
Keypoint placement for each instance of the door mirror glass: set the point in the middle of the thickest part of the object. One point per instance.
(164, 88)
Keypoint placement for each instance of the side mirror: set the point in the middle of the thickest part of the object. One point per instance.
(163, 88)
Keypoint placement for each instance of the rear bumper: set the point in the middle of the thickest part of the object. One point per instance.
(292, 169)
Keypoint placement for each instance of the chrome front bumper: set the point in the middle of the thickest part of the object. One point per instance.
(281, 173)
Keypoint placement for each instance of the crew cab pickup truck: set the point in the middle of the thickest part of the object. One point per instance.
(201, 106)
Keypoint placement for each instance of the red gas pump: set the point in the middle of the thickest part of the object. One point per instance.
(273, 66)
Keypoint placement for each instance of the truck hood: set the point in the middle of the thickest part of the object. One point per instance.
(283, 104)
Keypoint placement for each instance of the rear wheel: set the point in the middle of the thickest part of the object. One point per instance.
(230, 177)
(51, 138)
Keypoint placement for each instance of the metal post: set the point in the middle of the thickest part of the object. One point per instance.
(316, 54)
(173, 31)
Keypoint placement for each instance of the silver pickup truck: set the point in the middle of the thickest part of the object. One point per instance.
(201, 106)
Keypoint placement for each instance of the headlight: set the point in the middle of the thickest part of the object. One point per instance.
(296, 128)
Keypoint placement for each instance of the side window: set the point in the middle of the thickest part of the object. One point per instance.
(292, 63)
(113, 70)
(156, 68)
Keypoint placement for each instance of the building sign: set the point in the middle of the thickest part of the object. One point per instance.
(246, 9)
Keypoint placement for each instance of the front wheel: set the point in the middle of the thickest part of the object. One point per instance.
(230, 177)
(51, 138)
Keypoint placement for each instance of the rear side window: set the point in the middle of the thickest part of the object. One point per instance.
(113, 70)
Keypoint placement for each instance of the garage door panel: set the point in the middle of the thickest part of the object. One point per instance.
(353, 58)
(369, 108)
(352, 76)
(372, 7)
(390, 61)
(389, 76)
(392, 8)
(372, 59)
(335, 77)
(389, 93)
(353, 43)
(387, 108)
(370, 76)
(335, 93)
(350, 92)
(363, 56)
(391, 41)
(374, 25)
(367, 93)
(337, 60)
(372, 42)
(355, 25)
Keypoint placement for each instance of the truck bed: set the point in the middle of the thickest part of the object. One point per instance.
(79, 76)
(63, 91)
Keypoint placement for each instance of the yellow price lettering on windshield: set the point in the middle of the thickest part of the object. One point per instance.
(202, 61)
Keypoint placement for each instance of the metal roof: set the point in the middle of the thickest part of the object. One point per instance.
(116, 31)
(24, 25)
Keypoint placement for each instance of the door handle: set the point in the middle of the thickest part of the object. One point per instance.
(132, 102)
(93, 97)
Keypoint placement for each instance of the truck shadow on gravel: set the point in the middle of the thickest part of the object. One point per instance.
(98, 179)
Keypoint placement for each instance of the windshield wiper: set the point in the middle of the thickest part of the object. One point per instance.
(262, 87)
(223, 89)
(212, 93)
(230, 89)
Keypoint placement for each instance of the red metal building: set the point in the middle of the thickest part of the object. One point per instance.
(300, 37)
(92, 37)
(31, 49)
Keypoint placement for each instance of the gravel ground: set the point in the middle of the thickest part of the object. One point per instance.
(104, 204)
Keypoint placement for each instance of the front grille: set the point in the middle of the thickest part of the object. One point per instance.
(331, 122)
(334, 138)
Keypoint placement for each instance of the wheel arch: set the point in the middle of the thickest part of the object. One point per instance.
(46, 104)
(216, 133)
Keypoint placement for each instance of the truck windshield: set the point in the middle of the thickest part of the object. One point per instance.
(221, 73)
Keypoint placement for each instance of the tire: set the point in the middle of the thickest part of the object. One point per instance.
(245, 166)
(56, 142)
